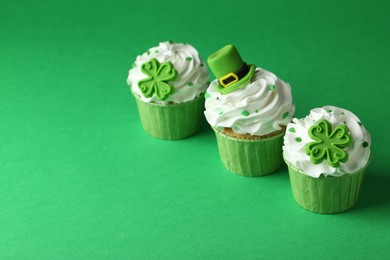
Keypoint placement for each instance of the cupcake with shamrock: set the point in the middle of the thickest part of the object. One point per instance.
(327, 153)
(248, 108)
(168, 82)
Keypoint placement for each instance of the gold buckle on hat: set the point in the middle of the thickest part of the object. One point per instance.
(227, 76)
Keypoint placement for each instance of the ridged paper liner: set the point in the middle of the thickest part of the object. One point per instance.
(252, 158)
(173, 121)
(326, 194)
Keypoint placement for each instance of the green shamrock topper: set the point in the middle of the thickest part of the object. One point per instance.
(328, 144)
(158, 77)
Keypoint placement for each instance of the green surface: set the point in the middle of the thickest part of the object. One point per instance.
(80, 179)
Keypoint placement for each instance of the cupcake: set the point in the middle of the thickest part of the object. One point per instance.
(327, 153)
(248, 108)
(168, 82)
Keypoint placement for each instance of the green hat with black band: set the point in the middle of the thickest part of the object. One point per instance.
(229, 68)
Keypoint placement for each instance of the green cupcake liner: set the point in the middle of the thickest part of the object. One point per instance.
(173, 121)
(250, 157)
(326, 194)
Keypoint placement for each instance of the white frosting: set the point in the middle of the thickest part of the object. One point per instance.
(192, 72)
(294, 152)
(268, 107)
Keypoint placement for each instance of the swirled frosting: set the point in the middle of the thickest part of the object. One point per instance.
(297, 138)
(261, 107)
(192, 77)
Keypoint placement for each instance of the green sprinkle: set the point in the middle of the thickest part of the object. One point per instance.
(190, 84)
(245, 113)
(207, 95)
(176, 52)
(256, 110)
(364, 144)
(285, 115)
(360, 123)
(345, 122)
(148, 52)
(298, 139)
(156, 51)
(133, 65)
(329, 110)
(170, 41)
(292, 130)
(188, 59)
(271, 87)
(201, 64)
(342, 113)
(217, 97)
(220, 113)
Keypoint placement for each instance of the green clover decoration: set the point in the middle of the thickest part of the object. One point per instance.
(328, 145)
(158, 77)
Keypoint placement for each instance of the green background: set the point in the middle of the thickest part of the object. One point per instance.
(80, 179)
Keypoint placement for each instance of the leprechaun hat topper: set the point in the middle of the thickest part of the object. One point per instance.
(229, 68)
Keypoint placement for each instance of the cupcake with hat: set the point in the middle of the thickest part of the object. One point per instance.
(327, 153)
(169, 82)
(248, 108)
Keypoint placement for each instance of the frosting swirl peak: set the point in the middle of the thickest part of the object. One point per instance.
(261, 107)
(192, 75)
(298, 139)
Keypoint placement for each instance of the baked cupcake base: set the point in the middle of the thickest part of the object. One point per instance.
(250, 157)
(172, 121)
(325, 194)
